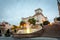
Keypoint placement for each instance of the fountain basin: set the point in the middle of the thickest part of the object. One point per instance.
(29, 35)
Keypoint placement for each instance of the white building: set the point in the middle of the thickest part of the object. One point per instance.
(38, 16)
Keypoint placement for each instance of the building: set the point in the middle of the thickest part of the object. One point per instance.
(4, 26)
(55, 19)
(58, 1)
(38, 16)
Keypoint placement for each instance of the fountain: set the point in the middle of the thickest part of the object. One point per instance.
(28, 32)
(28, 29)
(25, 31)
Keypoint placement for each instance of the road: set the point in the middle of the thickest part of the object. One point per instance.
(38, 38)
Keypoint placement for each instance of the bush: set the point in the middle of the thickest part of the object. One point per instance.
(58, 18)
(46, 22)
(32, 21)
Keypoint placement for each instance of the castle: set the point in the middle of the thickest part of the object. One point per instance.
(38, 16)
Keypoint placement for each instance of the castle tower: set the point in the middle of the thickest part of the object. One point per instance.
(38, 10)
(39, 16)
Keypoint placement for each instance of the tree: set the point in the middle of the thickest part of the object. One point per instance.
(22, 23)
(32, 21)
(58, 18)
(46, 22)
(15, 28)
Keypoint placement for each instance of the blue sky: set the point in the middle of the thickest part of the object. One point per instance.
(13, 10)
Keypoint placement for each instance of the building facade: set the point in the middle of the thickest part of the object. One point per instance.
(38, 16)
(4, 26)
(58, 1)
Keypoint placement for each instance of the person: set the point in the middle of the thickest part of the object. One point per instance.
(7, 34)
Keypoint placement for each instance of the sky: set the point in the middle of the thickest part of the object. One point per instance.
(13, 10)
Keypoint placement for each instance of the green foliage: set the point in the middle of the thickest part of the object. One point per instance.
(32, 21)
(22, 22)
(15, 26)
(58, 18)
(46, 22)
